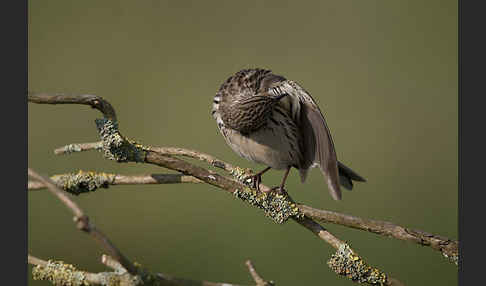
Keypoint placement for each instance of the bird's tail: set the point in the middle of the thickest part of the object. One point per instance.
(303, 174)
(347, 176)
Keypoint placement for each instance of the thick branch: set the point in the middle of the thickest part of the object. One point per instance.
(210, 177)
(346, 261)
(449, 248)
(321, 232)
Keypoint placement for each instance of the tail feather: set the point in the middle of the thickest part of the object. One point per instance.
(303, 174)
(347, 176)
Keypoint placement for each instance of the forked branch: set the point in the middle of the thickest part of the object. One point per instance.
(83, 223)
(125, 272)
(75, 183)
(61, 273)
(279, 207)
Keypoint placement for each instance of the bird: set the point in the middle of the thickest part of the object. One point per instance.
(268, 119)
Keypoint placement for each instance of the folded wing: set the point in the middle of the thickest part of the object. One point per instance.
(318, 146)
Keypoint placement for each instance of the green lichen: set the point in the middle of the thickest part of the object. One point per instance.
(116, 147)
(277, 206)
(60, 273)
(347, 263)
(83, 182)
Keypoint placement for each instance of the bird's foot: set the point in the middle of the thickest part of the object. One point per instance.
(278, 190)
(255, 181)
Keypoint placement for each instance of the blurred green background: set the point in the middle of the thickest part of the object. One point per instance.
(383, 72)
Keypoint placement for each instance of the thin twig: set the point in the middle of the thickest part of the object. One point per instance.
(68, 180)
(254, 274)
(112, 263)
(162, 156)
(86, 99)
(176, 151)
(83, 223)
(78, 213)
(175, 281)
(36, 261)
(80, 147)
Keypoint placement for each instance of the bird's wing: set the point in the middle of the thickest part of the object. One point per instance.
(317, 141)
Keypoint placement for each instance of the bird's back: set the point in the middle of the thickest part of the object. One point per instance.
(270, 120)
(273, 139)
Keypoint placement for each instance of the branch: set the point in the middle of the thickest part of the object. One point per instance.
(83, 223)
(71, 148)
(81, 147)
(86, 99)
(125, 273)
(259, 281)
(449, 248)
(61, 273)
(279, 207)
(81, 182)
(254, 274)
(88, 181)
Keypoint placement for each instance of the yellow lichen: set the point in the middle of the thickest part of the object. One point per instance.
(347, 263)
(83, 181)
(60, 273)
(276, 206)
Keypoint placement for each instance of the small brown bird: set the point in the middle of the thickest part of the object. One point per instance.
(270, 120)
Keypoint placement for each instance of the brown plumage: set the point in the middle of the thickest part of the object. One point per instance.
(273, 121)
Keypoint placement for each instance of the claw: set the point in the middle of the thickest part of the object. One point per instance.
(279, 190)
(255, 181)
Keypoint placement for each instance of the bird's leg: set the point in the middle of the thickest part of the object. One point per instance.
(257, 178)
(281, 188)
